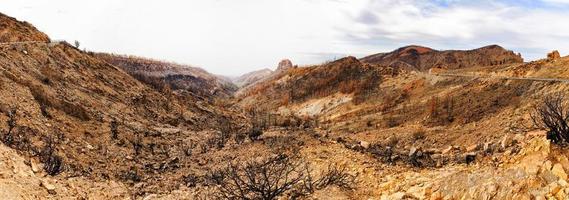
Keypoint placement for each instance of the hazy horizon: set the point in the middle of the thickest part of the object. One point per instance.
(231, 38)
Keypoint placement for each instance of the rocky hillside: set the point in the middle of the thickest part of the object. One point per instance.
(79, 116)
(296, 85)
(424, 58)
(252, 77)
(417, 135)
(12, 30)
(160, 74)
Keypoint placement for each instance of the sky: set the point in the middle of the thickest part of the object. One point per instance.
(230, 37)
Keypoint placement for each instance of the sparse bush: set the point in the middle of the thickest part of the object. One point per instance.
(8, 138)
(369, 123)
(11, 120)
(190, 180)
(215, 177)
(255, 133)
(553, 114)
(114, 130)
(240, 138)
(334, 175)
(137, 145)
(131, 175)
(418, 134)
(43, 109)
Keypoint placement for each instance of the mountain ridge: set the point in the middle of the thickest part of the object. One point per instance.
(424, 58)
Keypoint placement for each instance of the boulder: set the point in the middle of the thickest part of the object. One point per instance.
(48, 186)
(507, 140)
(553, 55)
(473, 148)
(488, 147)
(554, 188)
(364, 144)
(35, 166)
(547, 165)
(413, 151)
(447, 150)
(559, 171)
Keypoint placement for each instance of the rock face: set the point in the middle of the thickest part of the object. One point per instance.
(553, 55)
(424, 58)
(284, 65)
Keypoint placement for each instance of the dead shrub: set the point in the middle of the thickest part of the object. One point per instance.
(266, 179)
(53, 164)
(255, 133)
(190, 180)
(553, 114)
(334, 175)
(272, 177)
(114, 130)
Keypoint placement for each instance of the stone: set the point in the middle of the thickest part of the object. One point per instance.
(559, 171)
(554, 188)
(436, 156)
(506, 141)
(563, 161)
(487, 147)
(364, 144)
(397, 196)
(48, 186)
(562, 183)
(519, 138)
(473, 148)
(548, 176)
(447, 150)
(35, 166)
(436, 196)
(553, 55)
(413, 151)
(547, 165)
(150, 197)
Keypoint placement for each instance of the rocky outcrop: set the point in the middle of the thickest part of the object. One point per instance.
(284, 65)
(553, 55)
